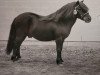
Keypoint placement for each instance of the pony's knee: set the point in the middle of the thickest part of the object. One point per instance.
(16, 44)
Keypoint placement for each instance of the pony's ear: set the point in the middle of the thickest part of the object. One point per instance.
(82, 1)
(77, 3)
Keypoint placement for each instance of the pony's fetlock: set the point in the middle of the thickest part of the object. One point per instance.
(14, 58)
(59, 62)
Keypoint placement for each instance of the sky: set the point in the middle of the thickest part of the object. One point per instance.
(9, 9)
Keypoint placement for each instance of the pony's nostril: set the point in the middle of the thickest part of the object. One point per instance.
(89, 19)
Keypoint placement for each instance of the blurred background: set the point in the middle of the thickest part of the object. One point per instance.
(81, 31)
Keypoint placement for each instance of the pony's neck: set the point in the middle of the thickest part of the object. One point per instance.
(68, 16)
(67, 19)
(66, 13)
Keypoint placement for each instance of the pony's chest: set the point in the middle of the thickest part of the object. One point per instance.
(63, 31)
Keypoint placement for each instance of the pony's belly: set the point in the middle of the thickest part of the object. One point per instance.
(46, 36)
(44, 39)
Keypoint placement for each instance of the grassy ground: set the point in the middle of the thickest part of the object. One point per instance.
(81, 59)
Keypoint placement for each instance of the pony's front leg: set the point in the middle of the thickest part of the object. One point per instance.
(59, 45)
(18, 53)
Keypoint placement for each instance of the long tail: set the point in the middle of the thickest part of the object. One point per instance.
(11, 39)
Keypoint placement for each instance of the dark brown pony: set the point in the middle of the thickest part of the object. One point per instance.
(56, 26)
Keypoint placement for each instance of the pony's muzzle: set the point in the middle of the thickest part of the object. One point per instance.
(87, 18)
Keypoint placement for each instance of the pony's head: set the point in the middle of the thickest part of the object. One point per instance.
(71, 10)
(82, 12)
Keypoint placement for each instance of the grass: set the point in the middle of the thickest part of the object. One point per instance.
(39, 58)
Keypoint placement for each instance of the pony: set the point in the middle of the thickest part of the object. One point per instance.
(54, 27)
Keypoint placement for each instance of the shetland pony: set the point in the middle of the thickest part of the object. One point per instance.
(56, 26)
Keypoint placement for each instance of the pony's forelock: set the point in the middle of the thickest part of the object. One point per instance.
(83, 6)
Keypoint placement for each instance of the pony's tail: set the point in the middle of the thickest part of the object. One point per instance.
(12, 36)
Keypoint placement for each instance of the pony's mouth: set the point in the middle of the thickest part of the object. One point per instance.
(87, 19)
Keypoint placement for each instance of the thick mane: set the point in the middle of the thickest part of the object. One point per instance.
(65, 11)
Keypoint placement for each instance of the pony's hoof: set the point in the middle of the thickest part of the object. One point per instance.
(19, 57)
(13, 58)
(59, 62)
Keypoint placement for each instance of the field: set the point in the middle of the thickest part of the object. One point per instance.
(39, 58)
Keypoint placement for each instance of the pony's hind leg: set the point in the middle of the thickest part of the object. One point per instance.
(16, 48)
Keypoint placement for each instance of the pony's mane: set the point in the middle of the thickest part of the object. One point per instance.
(65, 10)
